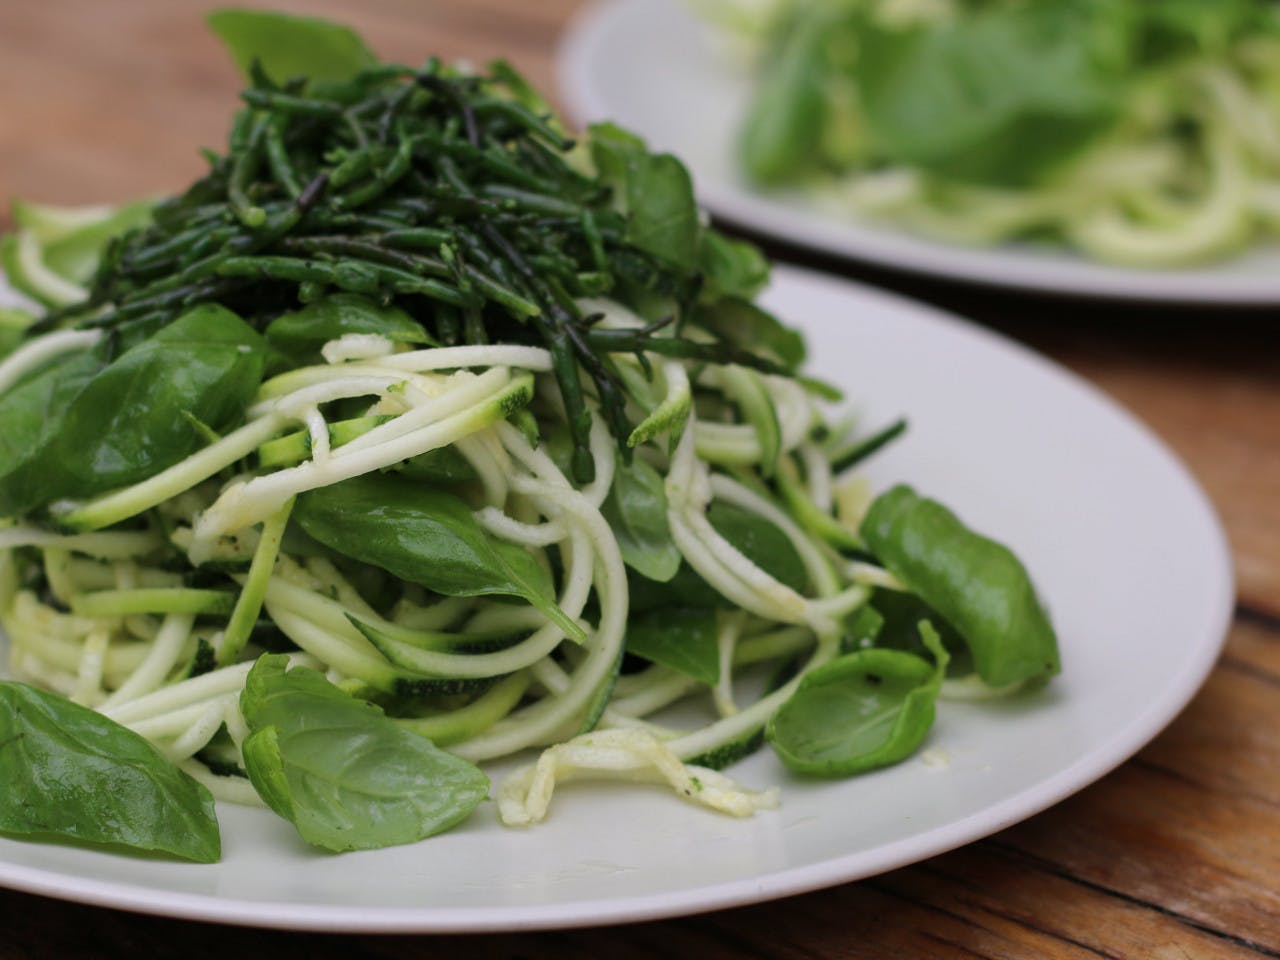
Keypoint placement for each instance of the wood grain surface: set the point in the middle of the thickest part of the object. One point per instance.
(1174, 855)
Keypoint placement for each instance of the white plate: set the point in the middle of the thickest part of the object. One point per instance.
(651, 66)
(1126, 550)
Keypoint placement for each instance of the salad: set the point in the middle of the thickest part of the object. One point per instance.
(1143, 134)
(417, 435)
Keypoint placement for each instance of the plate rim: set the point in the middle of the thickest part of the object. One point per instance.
(1155, 716)
(896, 249)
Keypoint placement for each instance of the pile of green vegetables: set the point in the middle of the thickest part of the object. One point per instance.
(415, 435)
(1139, 133)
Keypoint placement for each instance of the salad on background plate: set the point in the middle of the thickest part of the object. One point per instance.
(1123, 149)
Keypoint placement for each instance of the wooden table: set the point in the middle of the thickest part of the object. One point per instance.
(1174, 855)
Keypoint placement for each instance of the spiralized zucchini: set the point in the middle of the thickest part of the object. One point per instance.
(1145, 135)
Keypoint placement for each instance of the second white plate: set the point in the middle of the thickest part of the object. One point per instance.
(1129, 558)
(652, 67)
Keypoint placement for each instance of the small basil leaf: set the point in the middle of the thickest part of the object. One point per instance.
(337, 315)
(679, 638)
(289, 46)
(636, 509)
(71, 772)
(977, 585)
(863, 710)
(343, 773)
(427, 537)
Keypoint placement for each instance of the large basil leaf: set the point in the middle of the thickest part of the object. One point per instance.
(134, 418)
(346, 776)
(679, 638)
(71, 772)
(977, 585)
(289, 46)
(427, 537)
(730, 268)
(32, 412)
(636, 509)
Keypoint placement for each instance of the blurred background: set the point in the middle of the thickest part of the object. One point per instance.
(1174, 855)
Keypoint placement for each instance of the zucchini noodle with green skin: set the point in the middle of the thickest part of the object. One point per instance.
(357, 466)
(1144, 135)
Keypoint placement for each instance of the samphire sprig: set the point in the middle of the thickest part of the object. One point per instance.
(459, 198)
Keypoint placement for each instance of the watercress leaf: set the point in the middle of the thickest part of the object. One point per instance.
(636, 509)
(730, 268)
(975, 584)
(427, 537)
(863, 710)
(338, 314)
(124, 425)
(71, 772)
(746, 326)
(654, 191)
(344, 774)
(681, 638)
(1004, 95)
(289, 46)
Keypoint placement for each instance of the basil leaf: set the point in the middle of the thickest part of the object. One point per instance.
(71, 772)
(344, 774)
(754, 537)
(32, 412)
(330, 317)
(289, 46)
(863, 710)
(789, 119)
(1003, 95)
(127, 423)
(636, 509)
(977, 585)
(427, 537)
(679, 638)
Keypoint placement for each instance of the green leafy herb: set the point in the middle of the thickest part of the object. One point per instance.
(863, 710)
(426, 537)
(346, 776)
(340, 314)
(288, 46)
(680, 638)
(977, 585)
(71, 772)
(636, 509)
